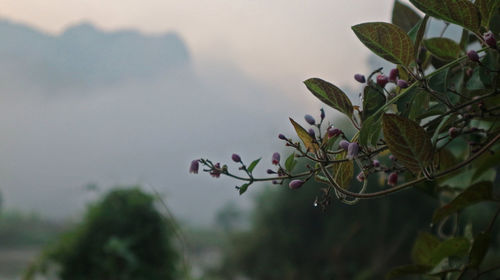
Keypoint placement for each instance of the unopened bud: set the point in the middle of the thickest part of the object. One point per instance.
(270, 171)
(382, 80)
(236, 158)
(393, 75)
(360, 78)
(309, 119)
(361, 176)
(276, 158)
(216, 171)
(332, 131)
(194, 166)
(490, 40)
(376, 163)
(453, 132)
(295, 184)
(311, 133)
(322, 113)
(473, 56)
(402, 84)
(344, 144)
(393, 179)
(352, 150)
(392, 157)
(282, 137)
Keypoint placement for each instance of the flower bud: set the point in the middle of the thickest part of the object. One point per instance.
(295, 184)
(361, 176)
(276, 158)
(352, 150)
(392, 157)
(332, 131)
(216, 172)
(490, 40)
(311, 133)
(322, 113)
(393, 179)
(402, 84)
(194, 166)
(270, 171)
(360, 78)
(393, 75)
(473, 56)
(236, 158)
(376, 163)
(282, 137)
(344, 144)
(382, 80)
(309, 119)
(453, 132)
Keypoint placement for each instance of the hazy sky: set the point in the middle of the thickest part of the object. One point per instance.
(281, 42)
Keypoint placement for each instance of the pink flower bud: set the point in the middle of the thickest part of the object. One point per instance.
(276, 158)
(376, 163)
(236, 158)
(490, 40)
(344, 144)
(402, 84)
(453, 132)
(392, 157)
(473, 56)
(382, 80)
(360, 78)
(352, 150)
(309, 119)
(194, 166)
(216, 172)
(332, 131)
(295, 184)
(393, 179)
(282, 137)
(361, 176)
(393, 74)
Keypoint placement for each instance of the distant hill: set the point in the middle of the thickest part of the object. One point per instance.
(85, 56)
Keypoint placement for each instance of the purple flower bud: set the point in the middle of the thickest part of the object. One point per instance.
(311, 132)
(270, 171)
(344, 144)
(382, 80)
(376, 163)
(393, 179)
(309, 119)
(453, 132)
(360, 78)
(194, 166)
(216, 172)
(402, 84)
(473, 56)
(276, 158)
(332, 131)
(393, 74)
(361, 176)
(295, 184)
(392, 157)
(236, 158)
(322, 113)
(352, 150)
(490, 40)
(282, 137)
(275, 182)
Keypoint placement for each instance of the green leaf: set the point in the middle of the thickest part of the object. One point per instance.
(243, 188)
(460, 12)
(487, 9)
(489, 62)
(486, 162)
(423, 247)
(453, 247)
(439, 82)
(417, 34)
(290, 162)
(370, 130)
(406, 270)
(479, 249)
(308, 141)
(253, 164)
(330, 95)
(443, 48)
(408, 141)
(482, 191)
(387, 41)
(420, 103)
(373, 99)
(404, 16)
(343, 172)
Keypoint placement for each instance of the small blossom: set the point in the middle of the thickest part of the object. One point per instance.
(490, 40)
(402, 84)
(311, 132)
(393, 74)
(270, 171)
(282, 137)
(393, 179)
(295, 184)
(376, 163)
(332, 131)
(309, 119)
(322, 113)
(453, 132)
(236, 158)
(195, 165)
(352, 150)
(216, 171)
(361, 176)
(360, 78)
(473, 56)
(344, 144)
(276, 158)
(382, 80)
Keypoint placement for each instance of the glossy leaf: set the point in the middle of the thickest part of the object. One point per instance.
(479, 249)
(370, 130)
(243, 188)
(253, 164)
(405, 270)
(404, 16)
(308, 141)
(343, 172)
(387, 41)
(482, 191)
(487, 9)
(290, 162)
(460, 12)
(443, 48)
(420, 103)
(373, 99)
(330, 95)
(417, 33)
(408, 141)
